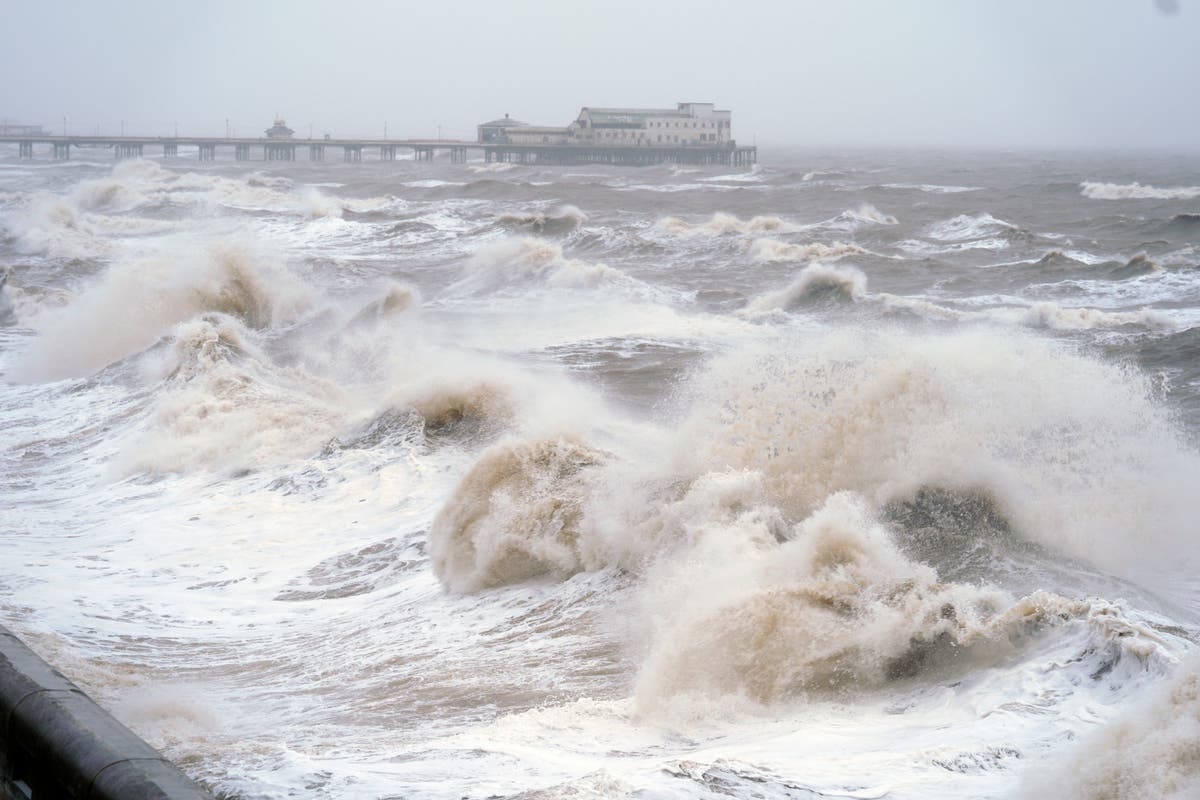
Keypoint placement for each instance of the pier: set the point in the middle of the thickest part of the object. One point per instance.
(458, 150)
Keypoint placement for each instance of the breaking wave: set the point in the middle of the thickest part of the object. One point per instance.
(969, 226)
(515, 515)
(765, 573)
(814, 283)
(722, 224)
(1055, 317)
(932, 188)
(448, 405)
(836, 608)
(527, 260)
(224, 407)
(1136, 191)
(561, 220)
(774, 250)
(137, 301)
(1061, 441)
(866, 214)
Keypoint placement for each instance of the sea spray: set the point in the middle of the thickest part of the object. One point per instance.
(136, 301)
(521, 262)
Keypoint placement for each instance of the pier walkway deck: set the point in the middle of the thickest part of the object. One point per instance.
(59, 148)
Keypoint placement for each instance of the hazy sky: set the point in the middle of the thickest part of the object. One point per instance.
(1056, 73)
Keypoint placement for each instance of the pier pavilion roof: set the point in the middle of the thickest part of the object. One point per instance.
(507, 122)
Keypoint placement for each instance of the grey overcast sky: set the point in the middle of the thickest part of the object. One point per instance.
(969, 73)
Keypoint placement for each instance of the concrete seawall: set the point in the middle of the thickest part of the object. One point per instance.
(56, 743)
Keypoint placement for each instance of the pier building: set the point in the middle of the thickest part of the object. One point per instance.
(498, 129)
(696, 133)
(688, 124)
(279, 130)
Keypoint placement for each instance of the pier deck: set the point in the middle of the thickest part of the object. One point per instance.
(59, 148)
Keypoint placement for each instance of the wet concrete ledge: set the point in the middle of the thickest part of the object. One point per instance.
(57, 744)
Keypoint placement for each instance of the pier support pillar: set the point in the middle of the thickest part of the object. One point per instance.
(458, 155)
(279, 152)
(316, 152)
(62, 151)
(171, 150)
(352, 153)
(241, 152)
(387, 152)
(208, 152)
(25, 150)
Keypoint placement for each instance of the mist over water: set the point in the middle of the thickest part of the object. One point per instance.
(855, 474)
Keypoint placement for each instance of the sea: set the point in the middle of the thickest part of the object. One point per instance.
(854, 474)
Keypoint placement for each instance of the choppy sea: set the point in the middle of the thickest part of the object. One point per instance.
(853, 475)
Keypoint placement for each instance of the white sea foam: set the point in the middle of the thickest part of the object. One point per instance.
(1149, 751)
(753, 176)
(495, 166)
(82, 222)
(923, 248)
(431, 183)
(932, 188)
